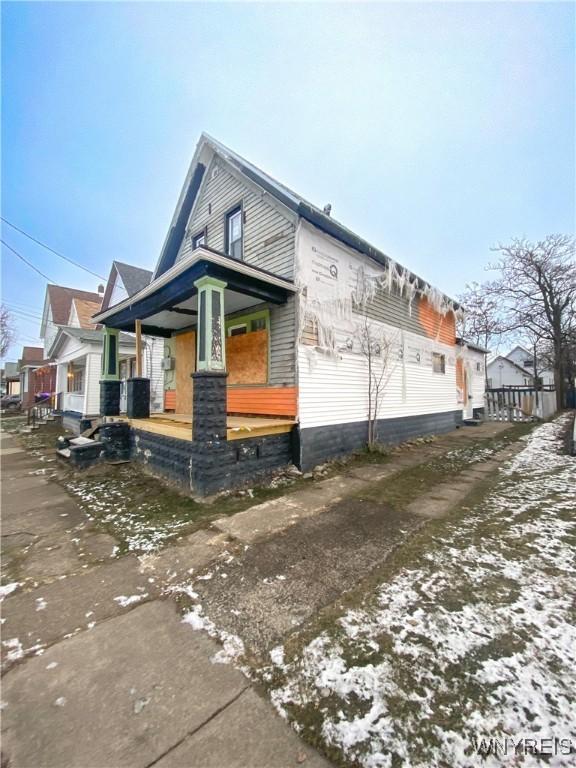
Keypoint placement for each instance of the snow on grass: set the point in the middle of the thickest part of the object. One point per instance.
(7, 589)
(473, 637)
(125, 600)
(232, 646)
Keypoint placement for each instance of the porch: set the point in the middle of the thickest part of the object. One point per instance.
(230, 397)
(179, 426)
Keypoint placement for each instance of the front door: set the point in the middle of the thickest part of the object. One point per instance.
(185, 367)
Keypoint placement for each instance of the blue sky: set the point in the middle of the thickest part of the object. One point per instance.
(434, 129)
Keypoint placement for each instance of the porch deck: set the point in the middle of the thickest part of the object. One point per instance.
(179, 425)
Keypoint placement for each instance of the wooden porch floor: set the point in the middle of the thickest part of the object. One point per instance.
(179, 425)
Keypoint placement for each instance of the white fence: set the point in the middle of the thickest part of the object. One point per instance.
(519, 404)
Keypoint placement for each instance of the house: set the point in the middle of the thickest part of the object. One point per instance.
(271, 309)
(525, 359)
(75, 346)
(11, 379)
(471, 378)
(31, 386)
(58, 308)
(504, 372)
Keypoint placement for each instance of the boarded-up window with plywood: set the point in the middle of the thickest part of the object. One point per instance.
(247, 358)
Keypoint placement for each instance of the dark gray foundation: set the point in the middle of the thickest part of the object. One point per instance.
(318, 444)
(225, 466)
(138, 398)
(109, 398)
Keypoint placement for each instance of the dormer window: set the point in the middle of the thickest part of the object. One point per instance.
(234, 233)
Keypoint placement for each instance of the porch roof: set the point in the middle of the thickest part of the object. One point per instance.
(170, 301)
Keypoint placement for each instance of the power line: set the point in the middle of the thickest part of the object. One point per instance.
(39, 242)
(26, 261)
(22, 313)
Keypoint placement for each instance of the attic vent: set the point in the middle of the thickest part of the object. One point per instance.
(215, 171)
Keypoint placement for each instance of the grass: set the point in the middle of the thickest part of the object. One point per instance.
(143, 513)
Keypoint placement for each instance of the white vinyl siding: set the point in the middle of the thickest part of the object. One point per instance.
(478, 377)
(92, 384)
(152, 369)
(334, 389)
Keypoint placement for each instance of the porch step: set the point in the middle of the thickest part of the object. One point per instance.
(91, 431)
(472, 422)
(81, 440)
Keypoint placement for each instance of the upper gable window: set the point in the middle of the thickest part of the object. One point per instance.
(199, 240)
(234, 233)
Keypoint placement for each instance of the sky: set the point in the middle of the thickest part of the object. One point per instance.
(435, 130)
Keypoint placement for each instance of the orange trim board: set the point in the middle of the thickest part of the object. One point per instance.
(268, 401)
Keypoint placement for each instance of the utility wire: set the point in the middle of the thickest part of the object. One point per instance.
(39, 242)
(26, 261)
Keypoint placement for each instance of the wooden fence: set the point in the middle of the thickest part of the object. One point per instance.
(519, 403)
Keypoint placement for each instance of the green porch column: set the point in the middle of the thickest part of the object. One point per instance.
(110, 380)
(211, 350)
(110, 362)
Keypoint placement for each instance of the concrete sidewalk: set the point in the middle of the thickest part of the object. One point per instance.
(100, 671)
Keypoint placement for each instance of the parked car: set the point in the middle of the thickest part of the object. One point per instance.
(10, 403)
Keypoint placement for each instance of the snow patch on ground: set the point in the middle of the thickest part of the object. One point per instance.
(7, 589)
(125, 600)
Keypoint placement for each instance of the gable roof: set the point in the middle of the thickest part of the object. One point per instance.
(84, 311)
(133, 280)
(32, 355)
(522, 349)
(60, 299)
(291, 200)
(512, 363)
(86, 335)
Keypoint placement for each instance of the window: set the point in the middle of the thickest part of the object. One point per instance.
(528, 363)
(438, 363)
(478, 367)
(75, 380)
(258, 324)
(248, 323)
(234, 233)
(199, 239)
(237, 330)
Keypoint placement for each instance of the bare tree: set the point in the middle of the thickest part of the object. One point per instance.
(480, 323)
(7, 332)
(536, 293)
(376, 348)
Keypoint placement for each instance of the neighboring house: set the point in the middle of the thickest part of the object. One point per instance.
(11, 379)
(503, 372)
(471, 378)
(76, 350)
(525, 359)
(32, 360)
(267, 303)
(58, 306)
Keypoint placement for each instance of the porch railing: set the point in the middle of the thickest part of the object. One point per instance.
(39, 410)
